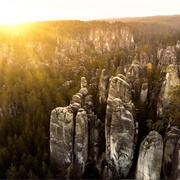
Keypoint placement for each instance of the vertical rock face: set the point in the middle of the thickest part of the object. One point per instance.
(176, 162)
(119, 127)
(134, 69)
(81, 140)
(93, 86)
(70, 137)
(167, 56)
(144, 59)
(103, 86)
(178, 45)
(144, 92)
(171, 140)
(83, 90)
(61, 135)
(150, 157)
(119, 88)
(108, 39)
(160, 51)
(171, 79)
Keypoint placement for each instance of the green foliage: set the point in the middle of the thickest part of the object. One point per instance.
(22, 172)
(159, 125)
(31, 175)
(12, 172)
(173, 112)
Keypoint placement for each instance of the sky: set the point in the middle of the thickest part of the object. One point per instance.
(14, 11)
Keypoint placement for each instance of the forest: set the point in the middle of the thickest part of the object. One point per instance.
(41, 65)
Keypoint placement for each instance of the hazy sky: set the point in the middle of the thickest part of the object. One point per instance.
(33, 10)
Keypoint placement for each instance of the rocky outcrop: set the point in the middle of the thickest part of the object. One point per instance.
(160, 51)
(150, 157)
(119, 88)
(108, 39)
(93, 86)
(176, 162)
(171, 79)
(170, 157)
(144, 58)
(119, 128)
(83, 90)
(81, 140)
(134, 69)
(61, 135)
(178, 45)
(103, 86)
(135, 75)
(73, 131)
(167, 56)
(144, 92)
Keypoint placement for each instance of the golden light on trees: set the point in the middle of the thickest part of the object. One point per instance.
(149, 67)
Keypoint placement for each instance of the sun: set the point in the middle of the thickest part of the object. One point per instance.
(9, 15)
(11, 22)
(13, 13)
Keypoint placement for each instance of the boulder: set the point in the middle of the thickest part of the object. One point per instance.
(150, 157)
(77, 98)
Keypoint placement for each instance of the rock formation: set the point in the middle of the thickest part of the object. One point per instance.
(61, 135)
(160, 51)
(70, 137)
(150, 157)
(119, 127)
(134, 75)
(167, 56)
(74, 130)
(144, 92)
(144, 59)
(171, 79)
(176, 162)
(108, 39)
(178, 45)
(103, 86)
(134, 69)
(93, 86)
(81, 140)
(171, 140)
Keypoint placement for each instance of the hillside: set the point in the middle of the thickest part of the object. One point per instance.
(172, 20)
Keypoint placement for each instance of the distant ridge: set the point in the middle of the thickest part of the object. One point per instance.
(173, 20)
